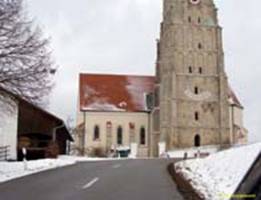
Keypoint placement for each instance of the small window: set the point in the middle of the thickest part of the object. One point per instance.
(142, 136)
(196, 116)
(119, 136)
(189, 19)
(190, 70)
(196, 90)
(96, 135)
(200, 70)
(199, 20)
(199, 45)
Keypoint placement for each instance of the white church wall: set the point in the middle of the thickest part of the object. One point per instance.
(123, 119)
(8, 126)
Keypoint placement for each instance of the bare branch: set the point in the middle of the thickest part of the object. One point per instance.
(26, 67)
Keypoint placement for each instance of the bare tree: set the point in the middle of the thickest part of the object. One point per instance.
(26, 67)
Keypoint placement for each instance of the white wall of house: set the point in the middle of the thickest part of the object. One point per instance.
(123, 119)
(8, 125)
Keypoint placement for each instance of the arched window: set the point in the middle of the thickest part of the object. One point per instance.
(199, 20)
(142, 136)
(197, 141)
(196, 90)
(199, 45)
(190, 70)
(196, 116)
(96, 135)
(200, 70)
(119, 135)
(189, 19)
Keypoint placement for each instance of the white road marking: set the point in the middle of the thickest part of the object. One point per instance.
(116, 166)
(88, 185)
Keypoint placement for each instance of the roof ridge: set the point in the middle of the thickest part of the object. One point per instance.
(107, 74)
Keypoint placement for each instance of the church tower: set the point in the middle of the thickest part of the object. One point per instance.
(191, 84)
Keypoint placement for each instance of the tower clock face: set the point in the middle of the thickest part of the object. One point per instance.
(195, 2)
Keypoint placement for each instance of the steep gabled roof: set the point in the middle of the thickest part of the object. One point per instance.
(103, 92)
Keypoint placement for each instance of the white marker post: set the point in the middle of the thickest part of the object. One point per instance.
(162, 149)
(24, 158)
(134, 150)
(119, 155)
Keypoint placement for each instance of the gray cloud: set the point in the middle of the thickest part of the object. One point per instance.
(119, 37)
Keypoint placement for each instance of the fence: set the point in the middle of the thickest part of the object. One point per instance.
(4, 152)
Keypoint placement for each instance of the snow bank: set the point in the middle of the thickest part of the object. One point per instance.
(217, 176)
(12, 170)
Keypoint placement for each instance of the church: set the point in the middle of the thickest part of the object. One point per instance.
(188, 103)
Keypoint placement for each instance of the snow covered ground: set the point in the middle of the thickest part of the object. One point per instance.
(12, 170)
(218, 176)
(191, 152)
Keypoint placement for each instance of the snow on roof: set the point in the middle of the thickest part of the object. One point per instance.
(102, 106)
(100, 92)
(103, 92)
(217, 176)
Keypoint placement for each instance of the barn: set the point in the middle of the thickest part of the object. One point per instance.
(25, 125)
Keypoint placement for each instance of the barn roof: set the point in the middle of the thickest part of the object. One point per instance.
(101, 92)
(40, 110)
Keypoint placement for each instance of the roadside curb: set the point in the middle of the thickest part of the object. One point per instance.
(183, 185)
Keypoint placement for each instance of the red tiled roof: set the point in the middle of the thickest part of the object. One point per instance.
(100, 92)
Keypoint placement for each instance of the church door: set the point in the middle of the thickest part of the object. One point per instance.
(197, 141)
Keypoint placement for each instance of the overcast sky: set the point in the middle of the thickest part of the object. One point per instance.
(118, 36)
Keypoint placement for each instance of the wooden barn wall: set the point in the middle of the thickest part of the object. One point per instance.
(32, 120)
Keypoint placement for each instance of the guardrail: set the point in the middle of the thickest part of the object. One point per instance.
(4, 153)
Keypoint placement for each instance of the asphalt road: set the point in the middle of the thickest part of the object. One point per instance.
(103, 180)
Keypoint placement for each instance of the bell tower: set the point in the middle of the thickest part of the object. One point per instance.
(191, 83)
